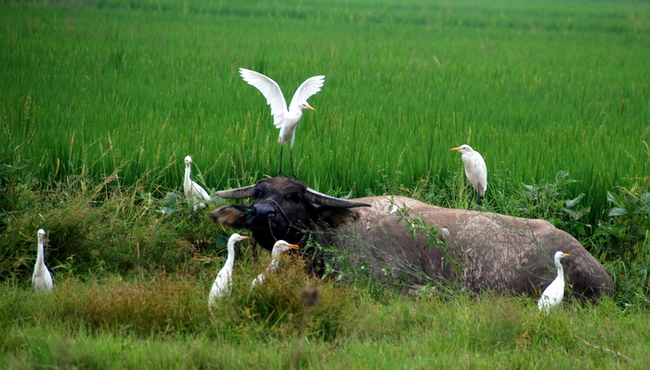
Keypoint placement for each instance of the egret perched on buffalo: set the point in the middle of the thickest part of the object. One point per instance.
(279, 247)
(475, 168)
(553, 294)
(42, 278)
(284, 119)
(222, 285)
(195, 194)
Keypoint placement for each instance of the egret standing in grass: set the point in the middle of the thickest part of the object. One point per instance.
(278, 248)
(554, 293)
(41, 279)
(284, 119)
(223, 283)
(475, 168)
(195, 194)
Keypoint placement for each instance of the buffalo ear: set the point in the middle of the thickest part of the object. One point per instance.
(336, 216)
(231, 216)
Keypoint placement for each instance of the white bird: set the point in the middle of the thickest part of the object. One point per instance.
(195, 194)
(223, 283)
(475, 168)
(284, 119)
(554, 293)
(278, 248)
(42, 278)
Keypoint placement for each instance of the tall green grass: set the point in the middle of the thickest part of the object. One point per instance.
(166, 323)
(535, 87)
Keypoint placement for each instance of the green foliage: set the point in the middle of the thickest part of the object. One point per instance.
(628, 224)
(139, 85)
(549, 201)
(166, 306)
(16, 187)
(623, 243)
(274, 308)
(99, 230)
(166, 322)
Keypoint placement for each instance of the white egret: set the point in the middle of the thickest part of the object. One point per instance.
(222, 284)
(195, 194)
(278, 248)
(42, 278)
(283, 118)
(475, 168)
(554, 293)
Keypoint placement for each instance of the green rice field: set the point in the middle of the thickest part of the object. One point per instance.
(100, 101)
(537, 87)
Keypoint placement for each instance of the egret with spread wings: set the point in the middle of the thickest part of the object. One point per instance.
(284, 119)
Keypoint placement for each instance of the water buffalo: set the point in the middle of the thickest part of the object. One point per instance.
(401, 237)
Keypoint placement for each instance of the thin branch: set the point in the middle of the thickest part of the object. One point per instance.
(611, 352)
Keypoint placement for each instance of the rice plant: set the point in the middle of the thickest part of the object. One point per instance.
(537, 88)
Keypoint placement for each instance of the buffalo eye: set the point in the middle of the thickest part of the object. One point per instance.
(294, 197)
(257, 194)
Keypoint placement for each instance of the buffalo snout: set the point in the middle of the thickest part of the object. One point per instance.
(262, 212)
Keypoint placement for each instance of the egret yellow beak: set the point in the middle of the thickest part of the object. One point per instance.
(454, 149)
(566, 254)
(293, 246)
(245, 237)
(310, 107)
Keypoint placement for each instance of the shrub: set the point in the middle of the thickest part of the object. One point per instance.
(622, 243)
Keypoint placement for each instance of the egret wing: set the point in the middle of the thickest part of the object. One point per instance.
(200, 192)
(544, 304)
(471, 168)
(481, 172)
(552, 295)
(476, 171)
(271, 91)
(481, 167)
(43, 280)
(47, 279)
(220, 287)
(311, 86)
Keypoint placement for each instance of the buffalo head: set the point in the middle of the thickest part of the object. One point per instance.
(283, 208)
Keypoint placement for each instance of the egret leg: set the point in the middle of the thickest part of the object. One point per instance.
(255, 251)
(280, 173)
(474, 198)
(293, 173)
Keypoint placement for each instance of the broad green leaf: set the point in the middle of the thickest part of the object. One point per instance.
(574, 201)
(616, 211)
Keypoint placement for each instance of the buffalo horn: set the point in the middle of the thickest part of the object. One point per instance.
(326, 200)
(239, 193)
